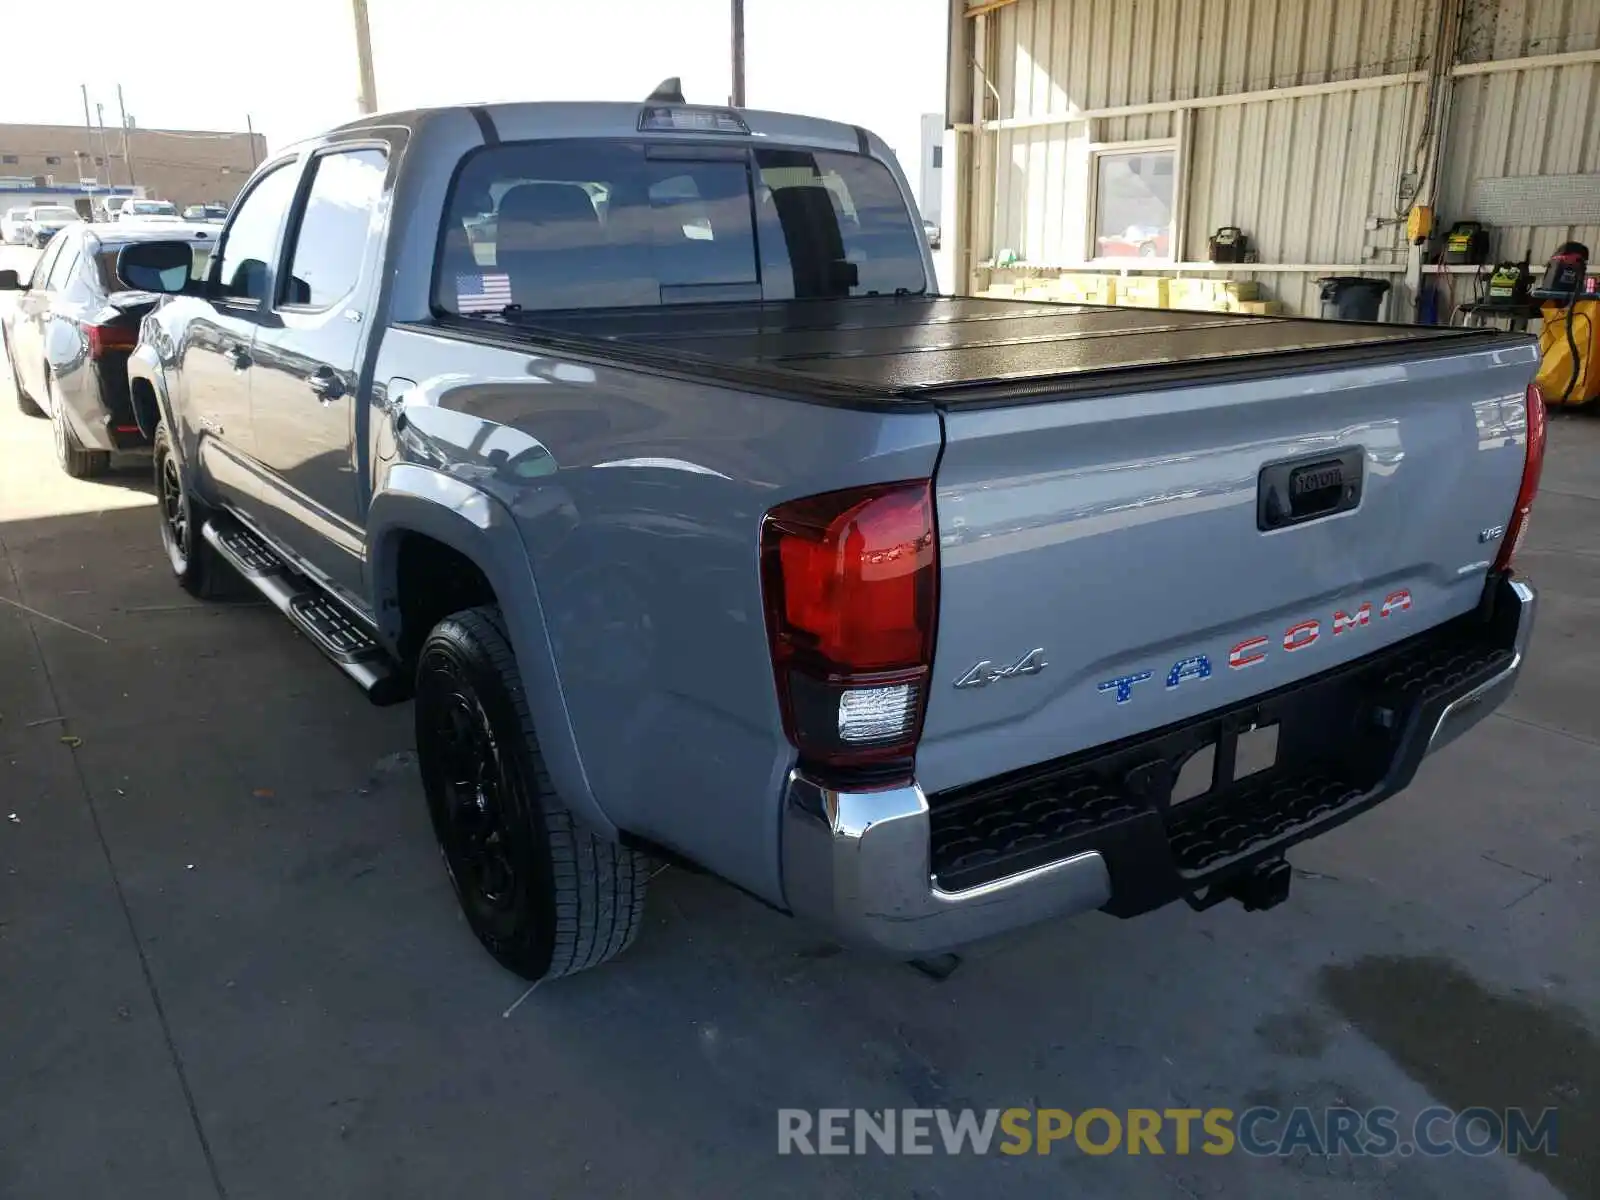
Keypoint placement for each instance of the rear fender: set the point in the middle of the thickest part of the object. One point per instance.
(416, 499)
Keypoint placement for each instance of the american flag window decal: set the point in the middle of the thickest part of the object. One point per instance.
(487, 293)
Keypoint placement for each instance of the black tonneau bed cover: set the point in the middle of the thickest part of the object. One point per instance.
(900, 350)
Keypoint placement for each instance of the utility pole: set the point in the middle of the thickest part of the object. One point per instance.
(127, 158)
(100, 120)
(89, 127)
(368, 100)
(738, 54)
(250, 127)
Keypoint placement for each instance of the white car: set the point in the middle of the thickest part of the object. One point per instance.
(11, 231)
(146, 211)
(43, 221)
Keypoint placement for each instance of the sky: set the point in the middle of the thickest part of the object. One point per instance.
(878, 63)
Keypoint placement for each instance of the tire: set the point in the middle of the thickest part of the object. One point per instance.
(543, 895)
(25, 402)
(74, 459)
(198, 568)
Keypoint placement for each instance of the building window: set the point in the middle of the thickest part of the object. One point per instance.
(1134, 202)
(938, 157)
(8, 159)
(98, 161)
(52, 160)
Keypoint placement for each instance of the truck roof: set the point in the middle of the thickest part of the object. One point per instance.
(584, 118)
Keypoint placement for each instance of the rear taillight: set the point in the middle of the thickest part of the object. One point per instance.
(104, 339)
(850, 581)
(1532, 468)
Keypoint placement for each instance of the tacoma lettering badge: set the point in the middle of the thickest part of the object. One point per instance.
(1253, 650)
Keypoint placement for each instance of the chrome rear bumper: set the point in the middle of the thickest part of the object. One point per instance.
(1466, 711)
(860, 862)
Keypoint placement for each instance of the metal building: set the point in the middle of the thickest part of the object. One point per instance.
(1118, 135)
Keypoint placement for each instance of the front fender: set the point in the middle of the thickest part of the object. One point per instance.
(416, 499)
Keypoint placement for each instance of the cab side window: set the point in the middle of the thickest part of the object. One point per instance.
(331, 242)
(245, 272)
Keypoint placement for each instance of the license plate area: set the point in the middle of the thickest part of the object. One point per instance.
(1238, 755)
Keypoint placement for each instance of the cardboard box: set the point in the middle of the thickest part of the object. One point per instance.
(1084, 289)
(1215, 295)
(1142, 291)
(1193, 294)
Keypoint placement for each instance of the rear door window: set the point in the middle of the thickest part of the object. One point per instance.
(45, 263)
(594, 224)
(61, 271)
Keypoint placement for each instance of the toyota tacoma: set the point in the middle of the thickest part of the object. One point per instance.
(634, 445)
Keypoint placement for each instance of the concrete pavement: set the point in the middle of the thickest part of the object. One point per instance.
(230, 964)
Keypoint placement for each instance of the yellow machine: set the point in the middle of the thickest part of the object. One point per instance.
(1556, 367)
(1419, 223)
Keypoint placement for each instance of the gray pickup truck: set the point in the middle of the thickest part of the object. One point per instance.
(634, 442)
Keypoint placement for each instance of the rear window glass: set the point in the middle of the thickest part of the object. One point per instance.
(595, 224)
(105, 265)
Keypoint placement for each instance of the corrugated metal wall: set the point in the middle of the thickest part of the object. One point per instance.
(1302, 175)
(1056, 54)
(1543, 121)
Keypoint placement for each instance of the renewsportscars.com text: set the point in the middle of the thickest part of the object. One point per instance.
(1259, 1131)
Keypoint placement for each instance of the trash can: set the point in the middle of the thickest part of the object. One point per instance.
(1352, 297)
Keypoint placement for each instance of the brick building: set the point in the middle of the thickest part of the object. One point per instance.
(184, 166)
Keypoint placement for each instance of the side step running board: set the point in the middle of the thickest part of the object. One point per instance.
(329, 624)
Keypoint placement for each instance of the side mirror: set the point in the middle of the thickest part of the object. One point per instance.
(9, 282)
(156, 266)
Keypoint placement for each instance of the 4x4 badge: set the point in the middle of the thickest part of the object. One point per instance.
(984, 673)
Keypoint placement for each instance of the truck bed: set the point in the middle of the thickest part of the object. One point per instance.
(945, 350)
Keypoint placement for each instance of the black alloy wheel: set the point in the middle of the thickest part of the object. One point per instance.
(174, 512)
(196, 566)
(471, 814)
(544, 894)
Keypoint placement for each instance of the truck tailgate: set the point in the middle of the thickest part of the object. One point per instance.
(1110, 564)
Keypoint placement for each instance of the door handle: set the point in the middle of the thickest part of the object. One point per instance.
(238, 356)
(325, 384)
